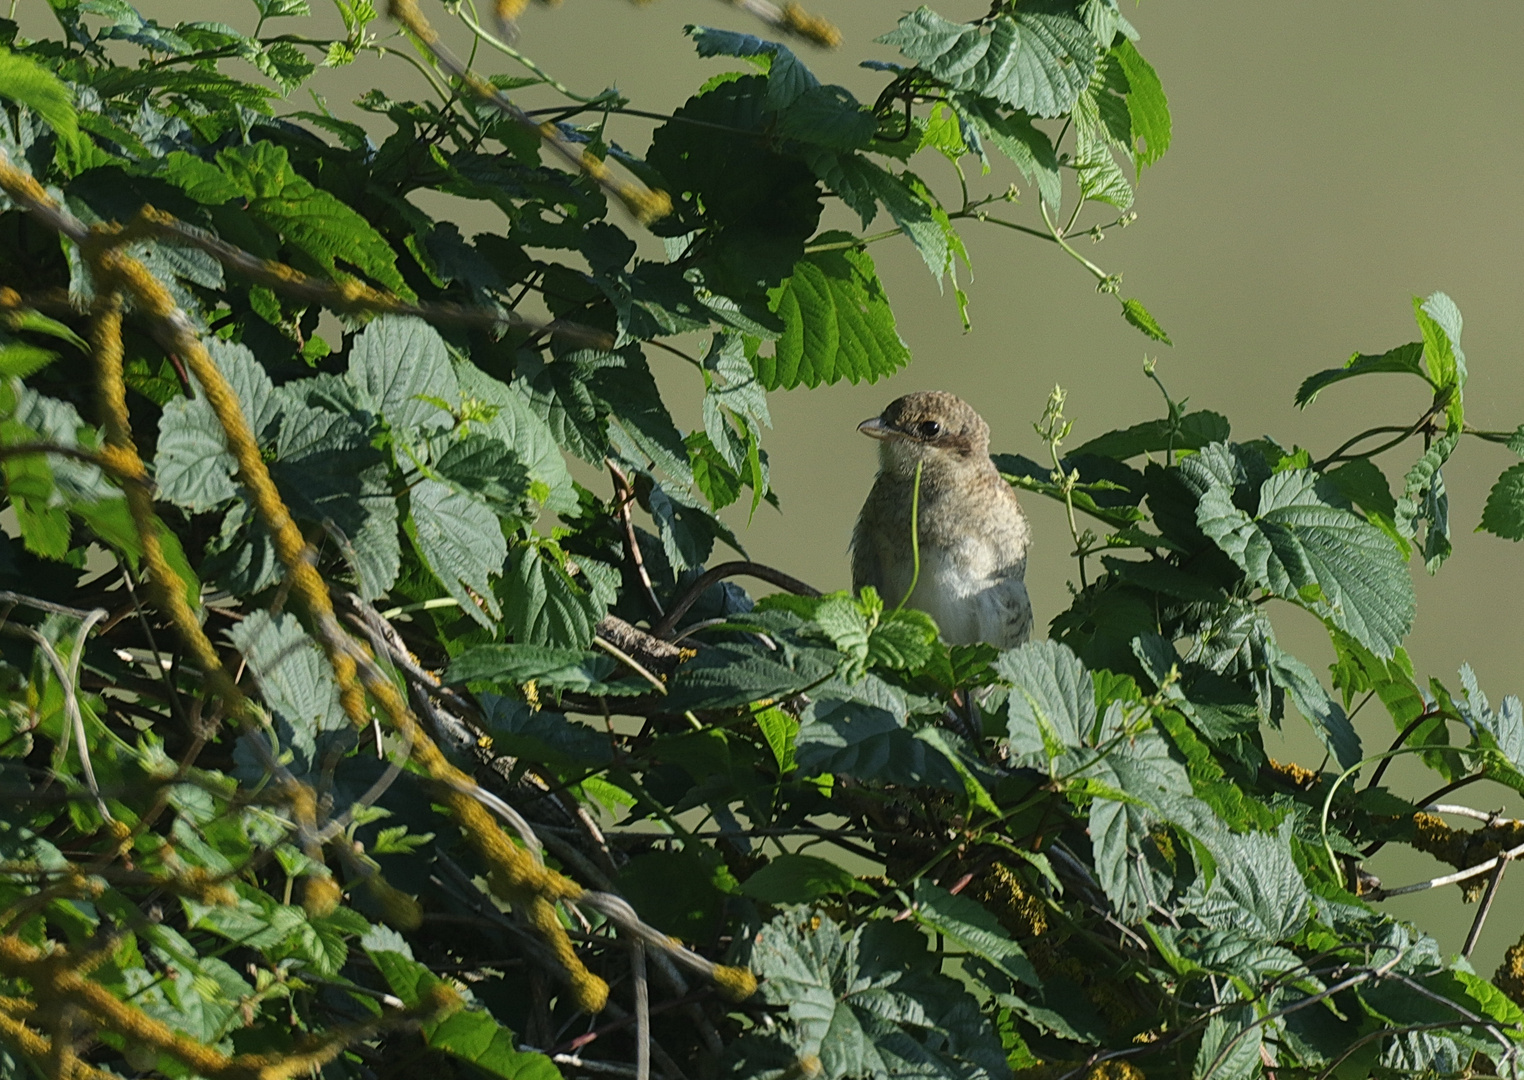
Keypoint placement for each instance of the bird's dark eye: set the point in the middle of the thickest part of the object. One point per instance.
(929, 429)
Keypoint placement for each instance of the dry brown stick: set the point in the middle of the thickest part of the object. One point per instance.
(624, 494)
(1484, 907)
(738, 568)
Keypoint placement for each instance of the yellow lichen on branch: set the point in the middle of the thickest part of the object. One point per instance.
(646, 204)
(514, 874)
(57, 980)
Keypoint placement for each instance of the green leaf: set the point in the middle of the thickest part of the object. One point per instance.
(1440, 321)
(1489, 999)
(275, 9)
(475, 1037)
(868, 1003)
(1136, 314)
(461, 543)
(827, 116)
(1230, 1046)
(1301, 548)
(28, 83)
(543, 605)
(918, 214)
(1134, 786)
(468, 1034)
(1325, 715)
(799, 879)
(727, 675)
(1504, 513)
(677, 892)
(1403, 359)
(1033, 61)
(293, 676)
(1193, 431)
(538, 735)
(565, 669)
(1424, 500)
(787, 78)
(1146, 105)
(1505, 727)
(199, 179)
(309, 219)
(285, 63)
(903, 640)
(1015, 136)
(712, 474)
(1095, 167)
(397, 365)
(780, 730)
(837, 322)
(1052, 701)
(869, 742)
(1364, 484)
(18, 360)
(1258, 888)
(965, 924)
(516, 425)
(485, 467)
(193, 465)
(28, 320)
(39, 508)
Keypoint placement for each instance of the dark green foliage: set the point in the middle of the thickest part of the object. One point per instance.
(943, 862)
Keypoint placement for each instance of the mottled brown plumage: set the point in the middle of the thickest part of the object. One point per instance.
(973, 534)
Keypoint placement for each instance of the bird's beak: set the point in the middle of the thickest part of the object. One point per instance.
(877, 429)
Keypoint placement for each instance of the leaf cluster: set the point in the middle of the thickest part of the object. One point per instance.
(940, 861)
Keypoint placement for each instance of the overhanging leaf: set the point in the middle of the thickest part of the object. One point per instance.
(461, 542)
(1301, 548)
(837, 323)
(1034, 61)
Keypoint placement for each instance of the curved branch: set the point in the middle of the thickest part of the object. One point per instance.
(738, 568)
(1427, 714)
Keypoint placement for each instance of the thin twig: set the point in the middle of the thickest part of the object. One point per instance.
(1413, 725)
(738, 568)
(624, 493)
(1486, 906)
(1336, 988)
(629, 661)
(1451, 879)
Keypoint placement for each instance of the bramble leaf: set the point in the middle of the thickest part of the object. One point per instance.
(1034, 61)
(837, 323)
(1301, 548)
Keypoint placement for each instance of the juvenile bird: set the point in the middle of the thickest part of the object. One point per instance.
(973, 534)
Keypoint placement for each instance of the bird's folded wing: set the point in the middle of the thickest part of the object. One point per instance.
(1005, 613)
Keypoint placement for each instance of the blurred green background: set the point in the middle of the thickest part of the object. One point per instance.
(1329, 162)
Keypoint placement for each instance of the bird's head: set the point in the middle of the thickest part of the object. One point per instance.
(931, 427)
